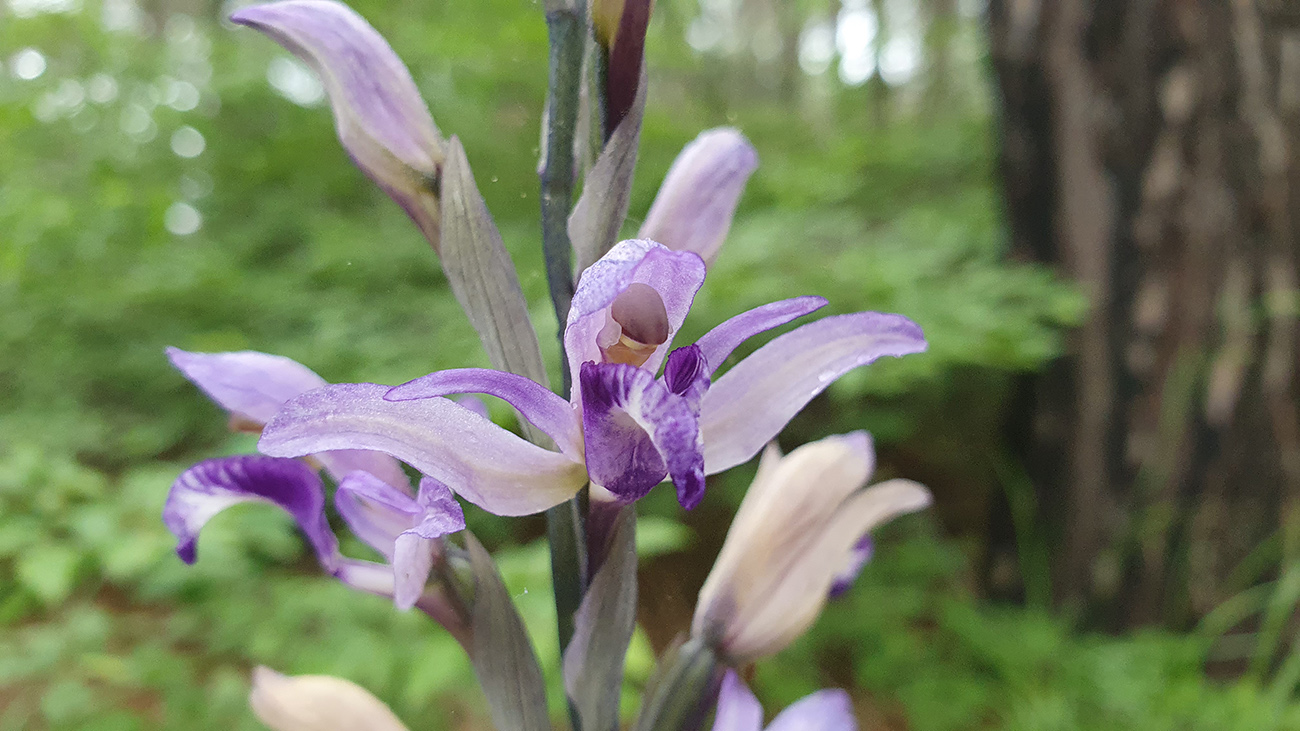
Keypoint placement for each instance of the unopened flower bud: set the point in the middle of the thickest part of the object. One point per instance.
(381, 119)
(317, 703)
(796, 530)
(698, 198)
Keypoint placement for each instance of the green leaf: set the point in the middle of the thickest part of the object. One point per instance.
(481, 274)
(593, 662)
(502, 654)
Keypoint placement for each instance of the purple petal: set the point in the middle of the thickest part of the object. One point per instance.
(752, 402)
(738, 709)
(698, 198)
(473, 403)
(344, 461)
(675, 275)
(858, 559)
(722, 340)
(548, 412)
(247, 383)
(637, 432)
(255, 385)
(687, 373)
(825, 710)
(375, 511)
(211, 486)
(484, 463)
(381, 119)
(415, 549)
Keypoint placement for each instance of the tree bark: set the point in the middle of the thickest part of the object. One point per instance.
(1149, 152)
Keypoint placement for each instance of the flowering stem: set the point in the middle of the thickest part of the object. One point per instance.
(682, 691)
(565, 524)
(566, 28)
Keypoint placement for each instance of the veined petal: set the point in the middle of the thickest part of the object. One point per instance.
(825, 710)
(213, 485)
(374, 510)
(752, 402)
(536, 403)
(687, 374)
(381, 119)
(416, 548)
(738, 709)
(698, 198)
(722, 340)
(246, 383)
(787, 601)
(255, 385)
(637, 432)
(317, 703)
(484, 463)
(674, 275)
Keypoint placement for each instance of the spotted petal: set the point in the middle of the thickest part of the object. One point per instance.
(211, 486)
(477, 459)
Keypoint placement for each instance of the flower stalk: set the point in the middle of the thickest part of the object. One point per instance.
(566, 26)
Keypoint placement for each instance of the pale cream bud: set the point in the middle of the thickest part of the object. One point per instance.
(794, 532)
(317, 703)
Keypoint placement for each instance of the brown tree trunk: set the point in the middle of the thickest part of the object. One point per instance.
(1149, 152)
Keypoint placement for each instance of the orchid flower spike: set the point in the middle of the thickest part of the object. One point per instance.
(798, 529)
(739, 710)
(382, 121)
(317, 703)
(374, 495)
(624, 427)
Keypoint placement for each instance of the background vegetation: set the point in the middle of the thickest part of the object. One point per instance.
(166, 179)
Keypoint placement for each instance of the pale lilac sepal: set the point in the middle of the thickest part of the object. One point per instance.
(536, 403)
(858, 560)
(698, 198)
(637, 432)
(738, 709)
(381, 119)
(675, 275)
(825, 710)
(477, 459)
(213, 485)
(246, 383)
(750, 404)
(375, 511)
(722, 340)
(255, 385)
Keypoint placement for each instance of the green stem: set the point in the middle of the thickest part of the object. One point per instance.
(566, 26)
(567, 31)
(682, 691)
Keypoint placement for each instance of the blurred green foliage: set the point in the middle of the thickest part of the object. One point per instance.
(155, 190)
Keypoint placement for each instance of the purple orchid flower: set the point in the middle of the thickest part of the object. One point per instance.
(739, 710)
(374, 495)
(622, 427)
